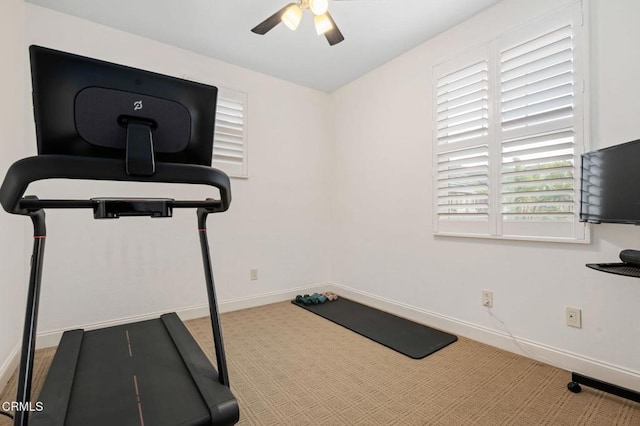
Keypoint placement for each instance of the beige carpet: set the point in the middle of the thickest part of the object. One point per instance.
(288, 366)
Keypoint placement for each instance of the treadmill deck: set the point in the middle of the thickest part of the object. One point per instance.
(145, 373)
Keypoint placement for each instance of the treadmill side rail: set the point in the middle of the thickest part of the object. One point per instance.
(217, 396)
(56, 390)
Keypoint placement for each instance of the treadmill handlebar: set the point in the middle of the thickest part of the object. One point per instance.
(24, 172)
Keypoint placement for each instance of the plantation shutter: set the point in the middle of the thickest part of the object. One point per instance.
(538, 130)
(230, 136)
(508, 134)
(462, 147)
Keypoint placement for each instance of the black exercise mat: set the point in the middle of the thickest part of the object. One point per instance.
(407, 337)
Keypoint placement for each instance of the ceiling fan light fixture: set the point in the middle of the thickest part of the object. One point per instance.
(322, 23)
(292, 16)
(319, 7)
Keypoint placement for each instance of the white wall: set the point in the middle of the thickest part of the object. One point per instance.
(107, 270)
(373, 237)
(384, 242)
(12, 228)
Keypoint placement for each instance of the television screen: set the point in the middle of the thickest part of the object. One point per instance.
(88, 107)
(610, 190)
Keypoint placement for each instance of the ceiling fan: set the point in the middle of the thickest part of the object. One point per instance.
(291, 15)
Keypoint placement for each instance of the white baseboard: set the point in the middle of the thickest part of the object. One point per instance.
(231, 305)
(9, 366)
(547, 354)
(52, 338)
(553, 356)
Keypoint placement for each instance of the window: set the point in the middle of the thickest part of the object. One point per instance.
(230, 136)
(509, 134)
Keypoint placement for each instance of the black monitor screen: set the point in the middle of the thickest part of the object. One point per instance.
(611, 184)
(82, 106)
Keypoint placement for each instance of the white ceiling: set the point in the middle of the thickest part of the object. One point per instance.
(375, 32)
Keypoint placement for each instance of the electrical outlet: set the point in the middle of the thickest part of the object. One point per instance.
(253, 273)
(487, 298)
(574, 317)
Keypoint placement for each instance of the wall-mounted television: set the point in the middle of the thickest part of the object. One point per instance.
(610, 188)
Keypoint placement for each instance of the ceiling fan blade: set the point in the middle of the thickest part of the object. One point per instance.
(334, 36)
(267, 25)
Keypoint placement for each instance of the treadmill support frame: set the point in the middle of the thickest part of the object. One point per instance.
(37, 215)
(27, 354)
(223, 375)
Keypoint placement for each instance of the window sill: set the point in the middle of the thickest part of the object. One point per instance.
(586, 240)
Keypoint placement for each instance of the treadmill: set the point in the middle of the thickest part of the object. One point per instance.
(97, 120)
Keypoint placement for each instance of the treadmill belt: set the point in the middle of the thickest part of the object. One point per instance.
(144, 373)
(129, 373)
(407, 337)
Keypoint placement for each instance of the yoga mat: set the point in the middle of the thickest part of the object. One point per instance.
(407, 337)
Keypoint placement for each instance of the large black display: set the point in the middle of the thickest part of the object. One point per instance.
(611, 184)
(89, 107)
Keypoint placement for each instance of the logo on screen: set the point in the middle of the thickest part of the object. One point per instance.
(137, 105)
